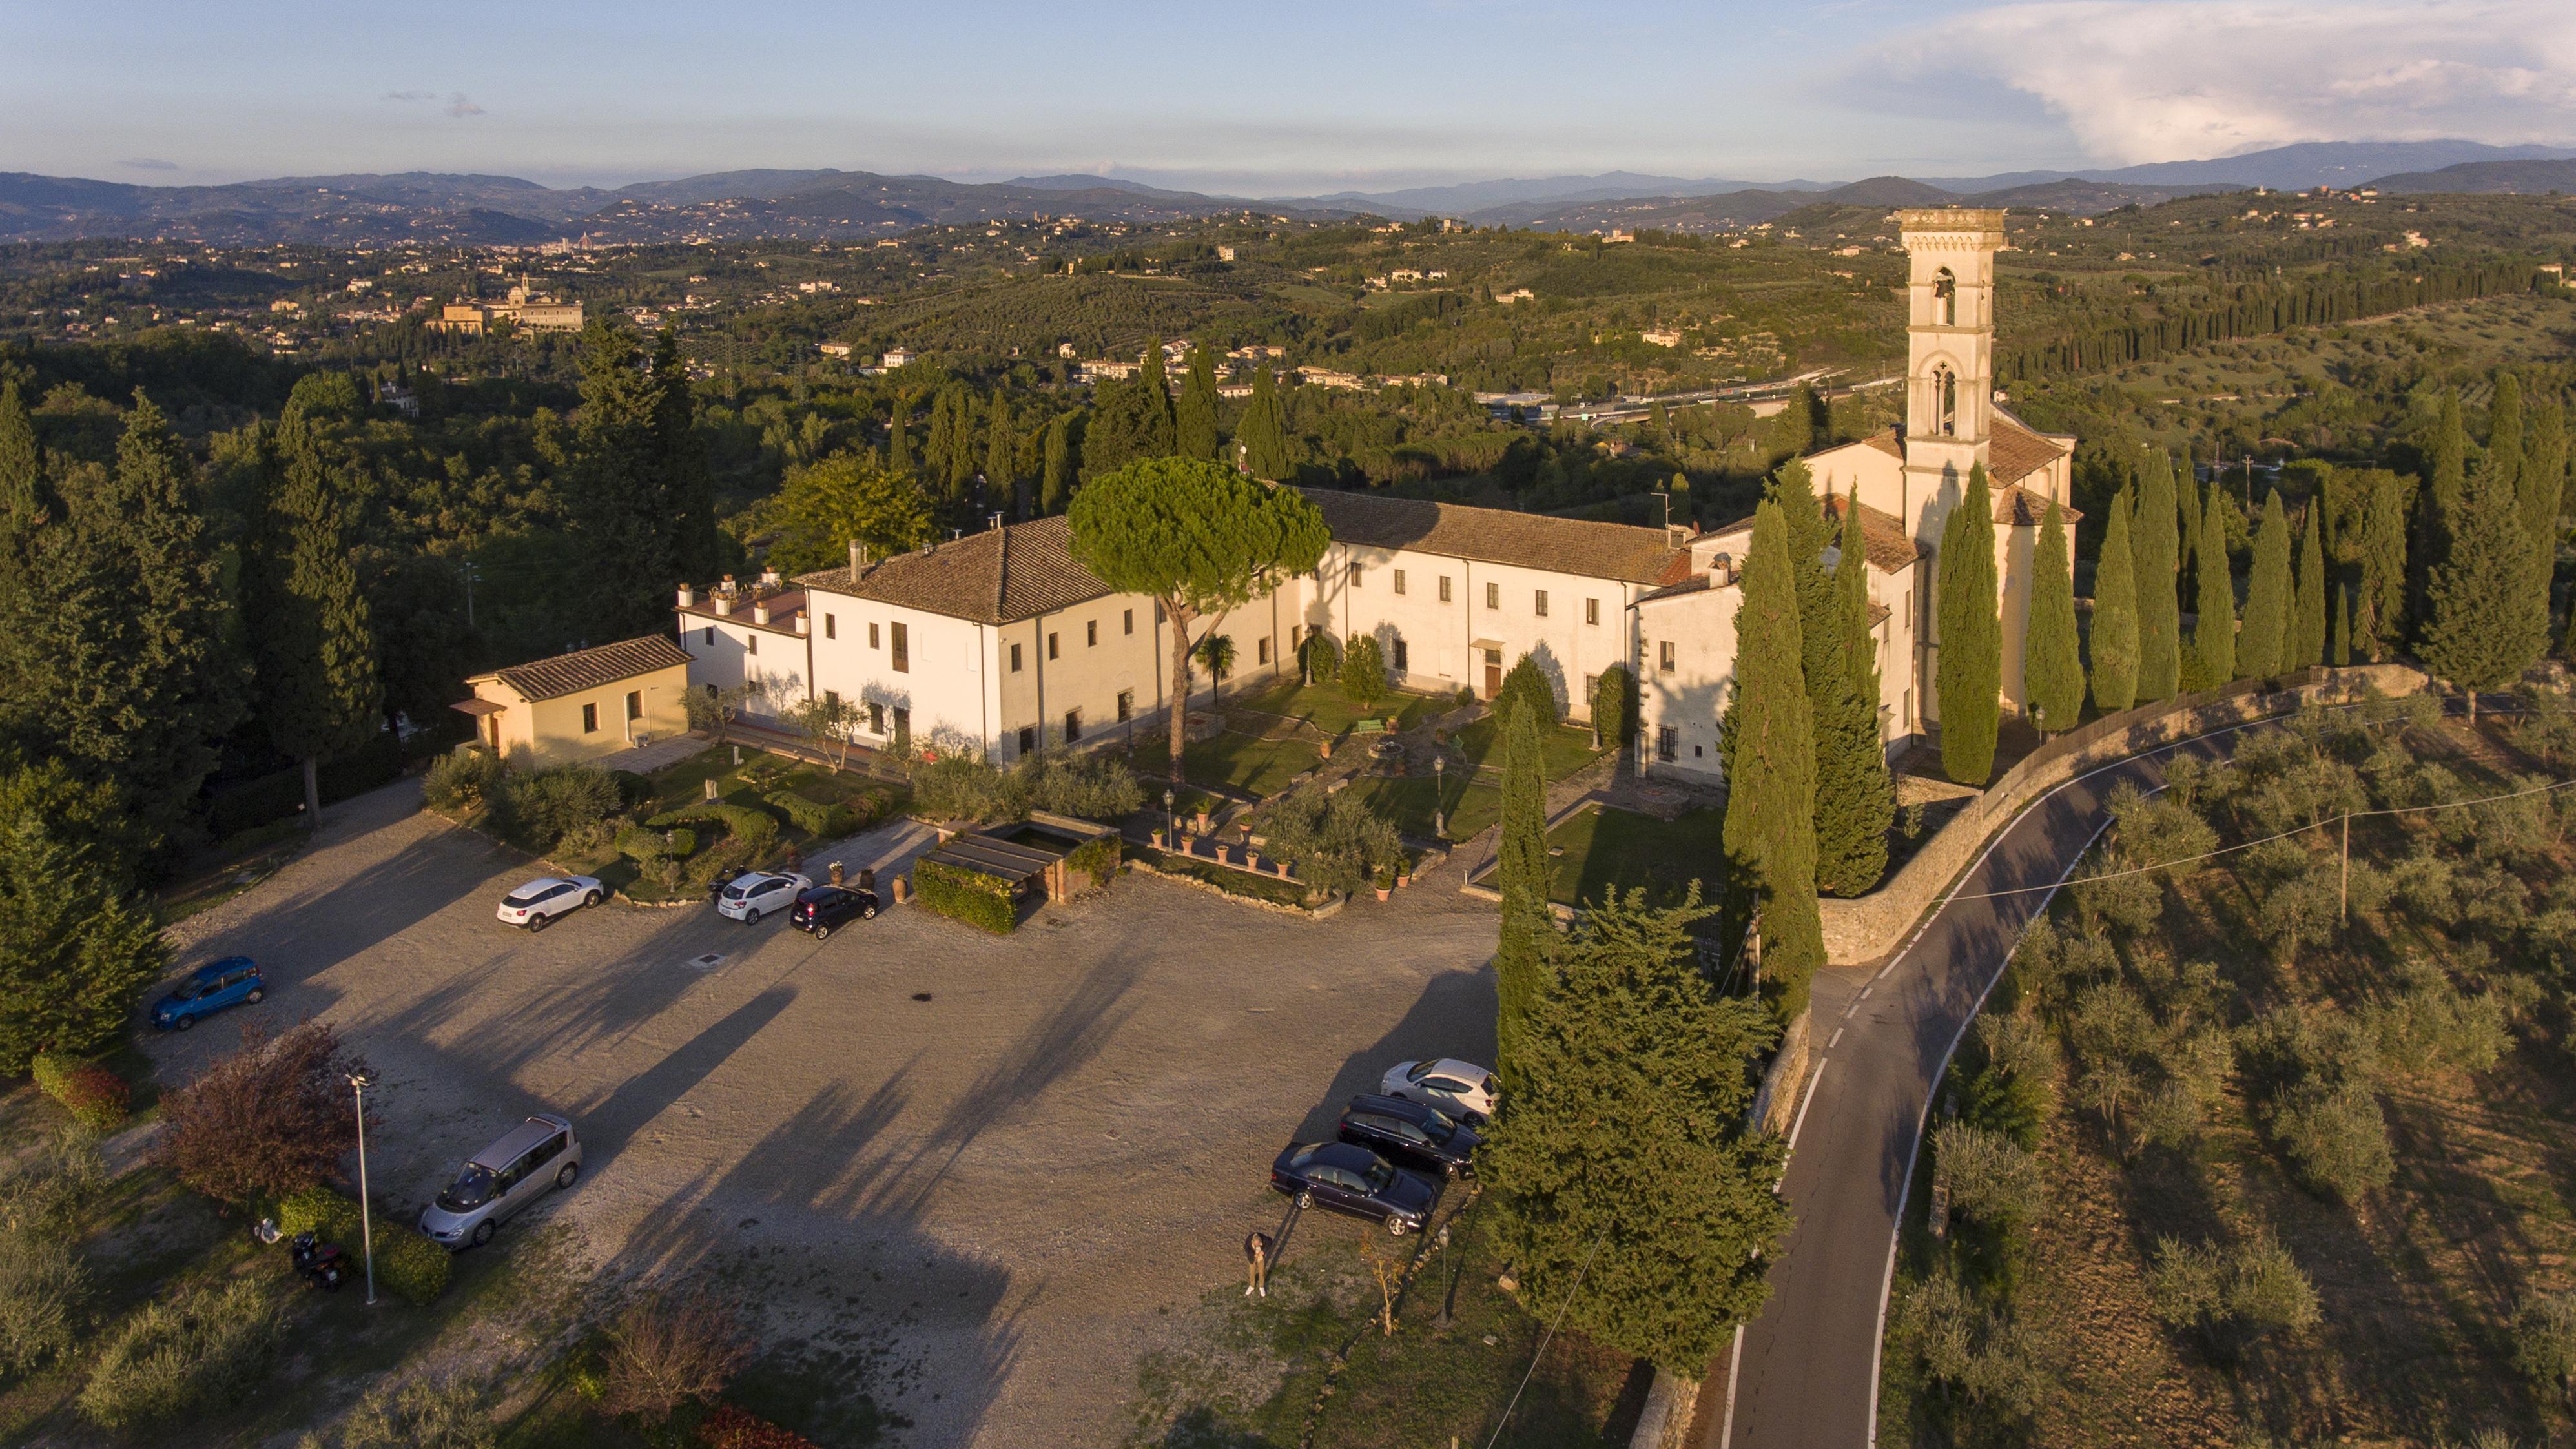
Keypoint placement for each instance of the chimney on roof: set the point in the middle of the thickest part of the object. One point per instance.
(760, 611)
(994, 521)
(769, 578)
(724, 602)
(688, 596)
(858, 559)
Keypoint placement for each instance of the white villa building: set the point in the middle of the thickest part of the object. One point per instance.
(1002, 643)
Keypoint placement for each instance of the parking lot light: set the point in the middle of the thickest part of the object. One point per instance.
(1439, 800)
(1171, 822)
(358, 1084)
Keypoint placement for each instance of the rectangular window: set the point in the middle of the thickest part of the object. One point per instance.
(872, 636)
(1591, 692)
(831, 626)
(1355, 576)
(1263, 646)
(1444, 588)
(902, 656)
(1668, 742)
(634, 704)
(1126, 705)
(590, 719)
(1402, 663)
(1399, 581)
(831, 699)
(750, 643)
(1015, 659)
(1028, 739)
(1493, 596)
(711, 634)
(902, 723)
(876, 718)
(1130, 626)
(1541, 605)
(1592, 611)
(1072, 725)
(1051, 653)
(1091, 634)
(1664, 657)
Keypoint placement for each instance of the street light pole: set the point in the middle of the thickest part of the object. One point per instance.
(1171, 822)
(1439, 796)
(366, 1217)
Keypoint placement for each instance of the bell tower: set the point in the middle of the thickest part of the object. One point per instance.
(1950, 349)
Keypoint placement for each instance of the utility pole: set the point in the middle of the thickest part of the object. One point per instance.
(2343, 883)
(366, 1218)
(471, 574)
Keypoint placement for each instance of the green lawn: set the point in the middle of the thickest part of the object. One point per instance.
(759, 775)
(1562, 750)
(1245, 763)
(1324, 708)
(1607, 850)
(1472, 803)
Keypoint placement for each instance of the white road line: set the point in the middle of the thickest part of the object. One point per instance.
(1734, 1376)
(1837, 1038)
(1812, 1083)
(1866, 990)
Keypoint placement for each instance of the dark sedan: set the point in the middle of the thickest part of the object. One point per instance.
(1413, 1134)
(821, 908)
(1356, 1181)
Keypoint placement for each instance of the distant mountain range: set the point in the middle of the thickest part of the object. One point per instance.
(829, 204)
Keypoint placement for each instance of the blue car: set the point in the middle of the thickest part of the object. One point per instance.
(230, 982)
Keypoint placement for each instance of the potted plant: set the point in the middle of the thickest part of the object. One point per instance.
(1251, 858)
(1385, 884)
(1202, 819)
(1158, 837)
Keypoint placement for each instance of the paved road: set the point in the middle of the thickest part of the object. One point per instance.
(1807, 1370)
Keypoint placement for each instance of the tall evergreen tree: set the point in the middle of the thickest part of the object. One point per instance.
(1771, 792)
(1521, 874)
(2379, 609)
(1194, 421)
(1154, 392)
(2052, 667)
(315, 647)
(2115, 613)
(1855, 798)
(2187, 554)
(1056, 486)
(899, 435)
(689, 481)
(2342, 655)
(1001, 453)
(2504, 434)
(24, 509)
(2542, 486)
(1131, 422)
(961, 446)
(2308, 636)
(2267, 638)
(1967, 676)
(938, 438)
(2214, 634)
(616, 489)
(1263, 435)
(2483, 624)
(2152, 547)
(2437, 502)
(1625, 1168)
(22, 497)
(78, 944)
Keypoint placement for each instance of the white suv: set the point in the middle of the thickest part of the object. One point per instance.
(758, 894)
(546, 897)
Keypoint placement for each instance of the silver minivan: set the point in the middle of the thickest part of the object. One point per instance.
(539, 1153)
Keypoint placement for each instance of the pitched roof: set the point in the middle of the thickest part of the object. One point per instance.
(1882, 536)
(2018, 450)
(2019, 507)
(994, 577)
(1493, 535)
(784, 606)
(590, 668)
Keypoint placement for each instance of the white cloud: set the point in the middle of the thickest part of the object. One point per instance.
(149, 163)
(2157, 80)
(457, 105)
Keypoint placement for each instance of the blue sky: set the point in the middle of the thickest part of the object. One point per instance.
(1267, 99)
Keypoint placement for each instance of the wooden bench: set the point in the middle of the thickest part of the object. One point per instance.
(1372, 726)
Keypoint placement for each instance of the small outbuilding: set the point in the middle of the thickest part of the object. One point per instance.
(583, 705)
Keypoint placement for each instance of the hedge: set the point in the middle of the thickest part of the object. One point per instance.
(732, 1428)
(814, 817)
(640, 845)
(96, 1097)
(757, 829)
(1098, 856)
(407, 1261)
(980, 900)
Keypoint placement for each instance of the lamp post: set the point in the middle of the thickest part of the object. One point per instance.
(1439, 799)
(1171, 822)
(358, 1084)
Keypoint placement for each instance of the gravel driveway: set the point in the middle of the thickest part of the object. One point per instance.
(1002, 1187)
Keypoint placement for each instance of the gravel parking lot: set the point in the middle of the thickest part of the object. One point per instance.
(1003, 1186)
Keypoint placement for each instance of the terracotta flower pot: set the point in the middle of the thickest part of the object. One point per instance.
(1402, 881)
(1203, 822)
(1383, 893)
(1158, 839)
(1252, 860)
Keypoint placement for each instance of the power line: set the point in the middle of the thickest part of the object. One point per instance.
(1551, 1333)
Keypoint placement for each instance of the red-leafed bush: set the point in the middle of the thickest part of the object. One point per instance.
(267, 1121)
(96, 1097)
(732, 1428)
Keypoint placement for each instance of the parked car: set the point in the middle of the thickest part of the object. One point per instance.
(541, 900)
(824, 907)
(760, 893)
(1413, 1134)
(1357, 1181)
(513, 1172)
(1461, 1089)
(233, 981)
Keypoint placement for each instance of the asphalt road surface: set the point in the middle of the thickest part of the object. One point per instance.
(1805, 1372)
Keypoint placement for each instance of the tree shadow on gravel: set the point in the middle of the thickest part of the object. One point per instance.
(1454, 1017)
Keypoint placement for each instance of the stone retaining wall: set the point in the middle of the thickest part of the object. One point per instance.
(1868, 928)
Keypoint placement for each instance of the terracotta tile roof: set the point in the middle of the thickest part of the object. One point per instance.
(590, 668)
(1888, 441)
(994, 577)
(1493, 535)
(2019, 507)
(1882, 536)
(2017, 450)
(784, 606)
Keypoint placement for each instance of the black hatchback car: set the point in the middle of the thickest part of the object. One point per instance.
(1357, 1181)
(1411, 1133)
(821, 908)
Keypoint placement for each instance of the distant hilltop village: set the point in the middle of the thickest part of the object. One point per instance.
(524, 309)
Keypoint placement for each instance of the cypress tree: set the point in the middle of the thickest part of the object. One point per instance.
(2187, 555)
(1522, 876)
(689, 480)
(1968, 676)
(2115, 613)
(315, 647)
(1001, 453)
(1057, 483)
(2504, 434)
(2214, 636)
(21, 472)
(1263, 437)
(2052, 670)
(616, 490)
(2445, 478)
(24, 510)
(2483, 625)
(2342, 656)
(899, 436)
(1160, 438)
(2264, 643)
(2308, 637)
(1194, 422)
(961, 446)
(1653, 1226)
(1771, 795)
(1855, 797)
(935, 440)
(2152, 546)
(2379, 612)
(2541, 487)
(78, 944)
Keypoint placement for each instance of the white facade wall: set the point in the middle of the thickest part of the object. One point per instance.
(1687, 646)
(731, 650)
(1587, 627)
(942, 695)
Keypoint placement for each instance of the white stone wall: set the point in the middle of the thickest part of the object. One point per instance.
(1587, 626)
(1696, 631)
(731, 651)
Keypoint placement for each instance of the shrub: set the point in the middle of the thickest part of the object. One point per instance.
(42, 1289)
(1526, 680)
(1363, 671)
(667, 1350)
(96, 1097)
(462, 782)
(1336, 842)
(1614, 705)
(2231, 1296)
(2335, 1137)
(1991, 1179)
(755, 831)
(980, 900)
(2014, 1091)
(644, 846)
(824, 821)
(425, 1411)
(731, 1428)
(47, 1193)
(266, 1121)
(1097, 857)
(962, 787)
(1988, 1358)
(545, 806)
(2544, 1343)
(408, 1263)
(1091, 786)
(205, 1346)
